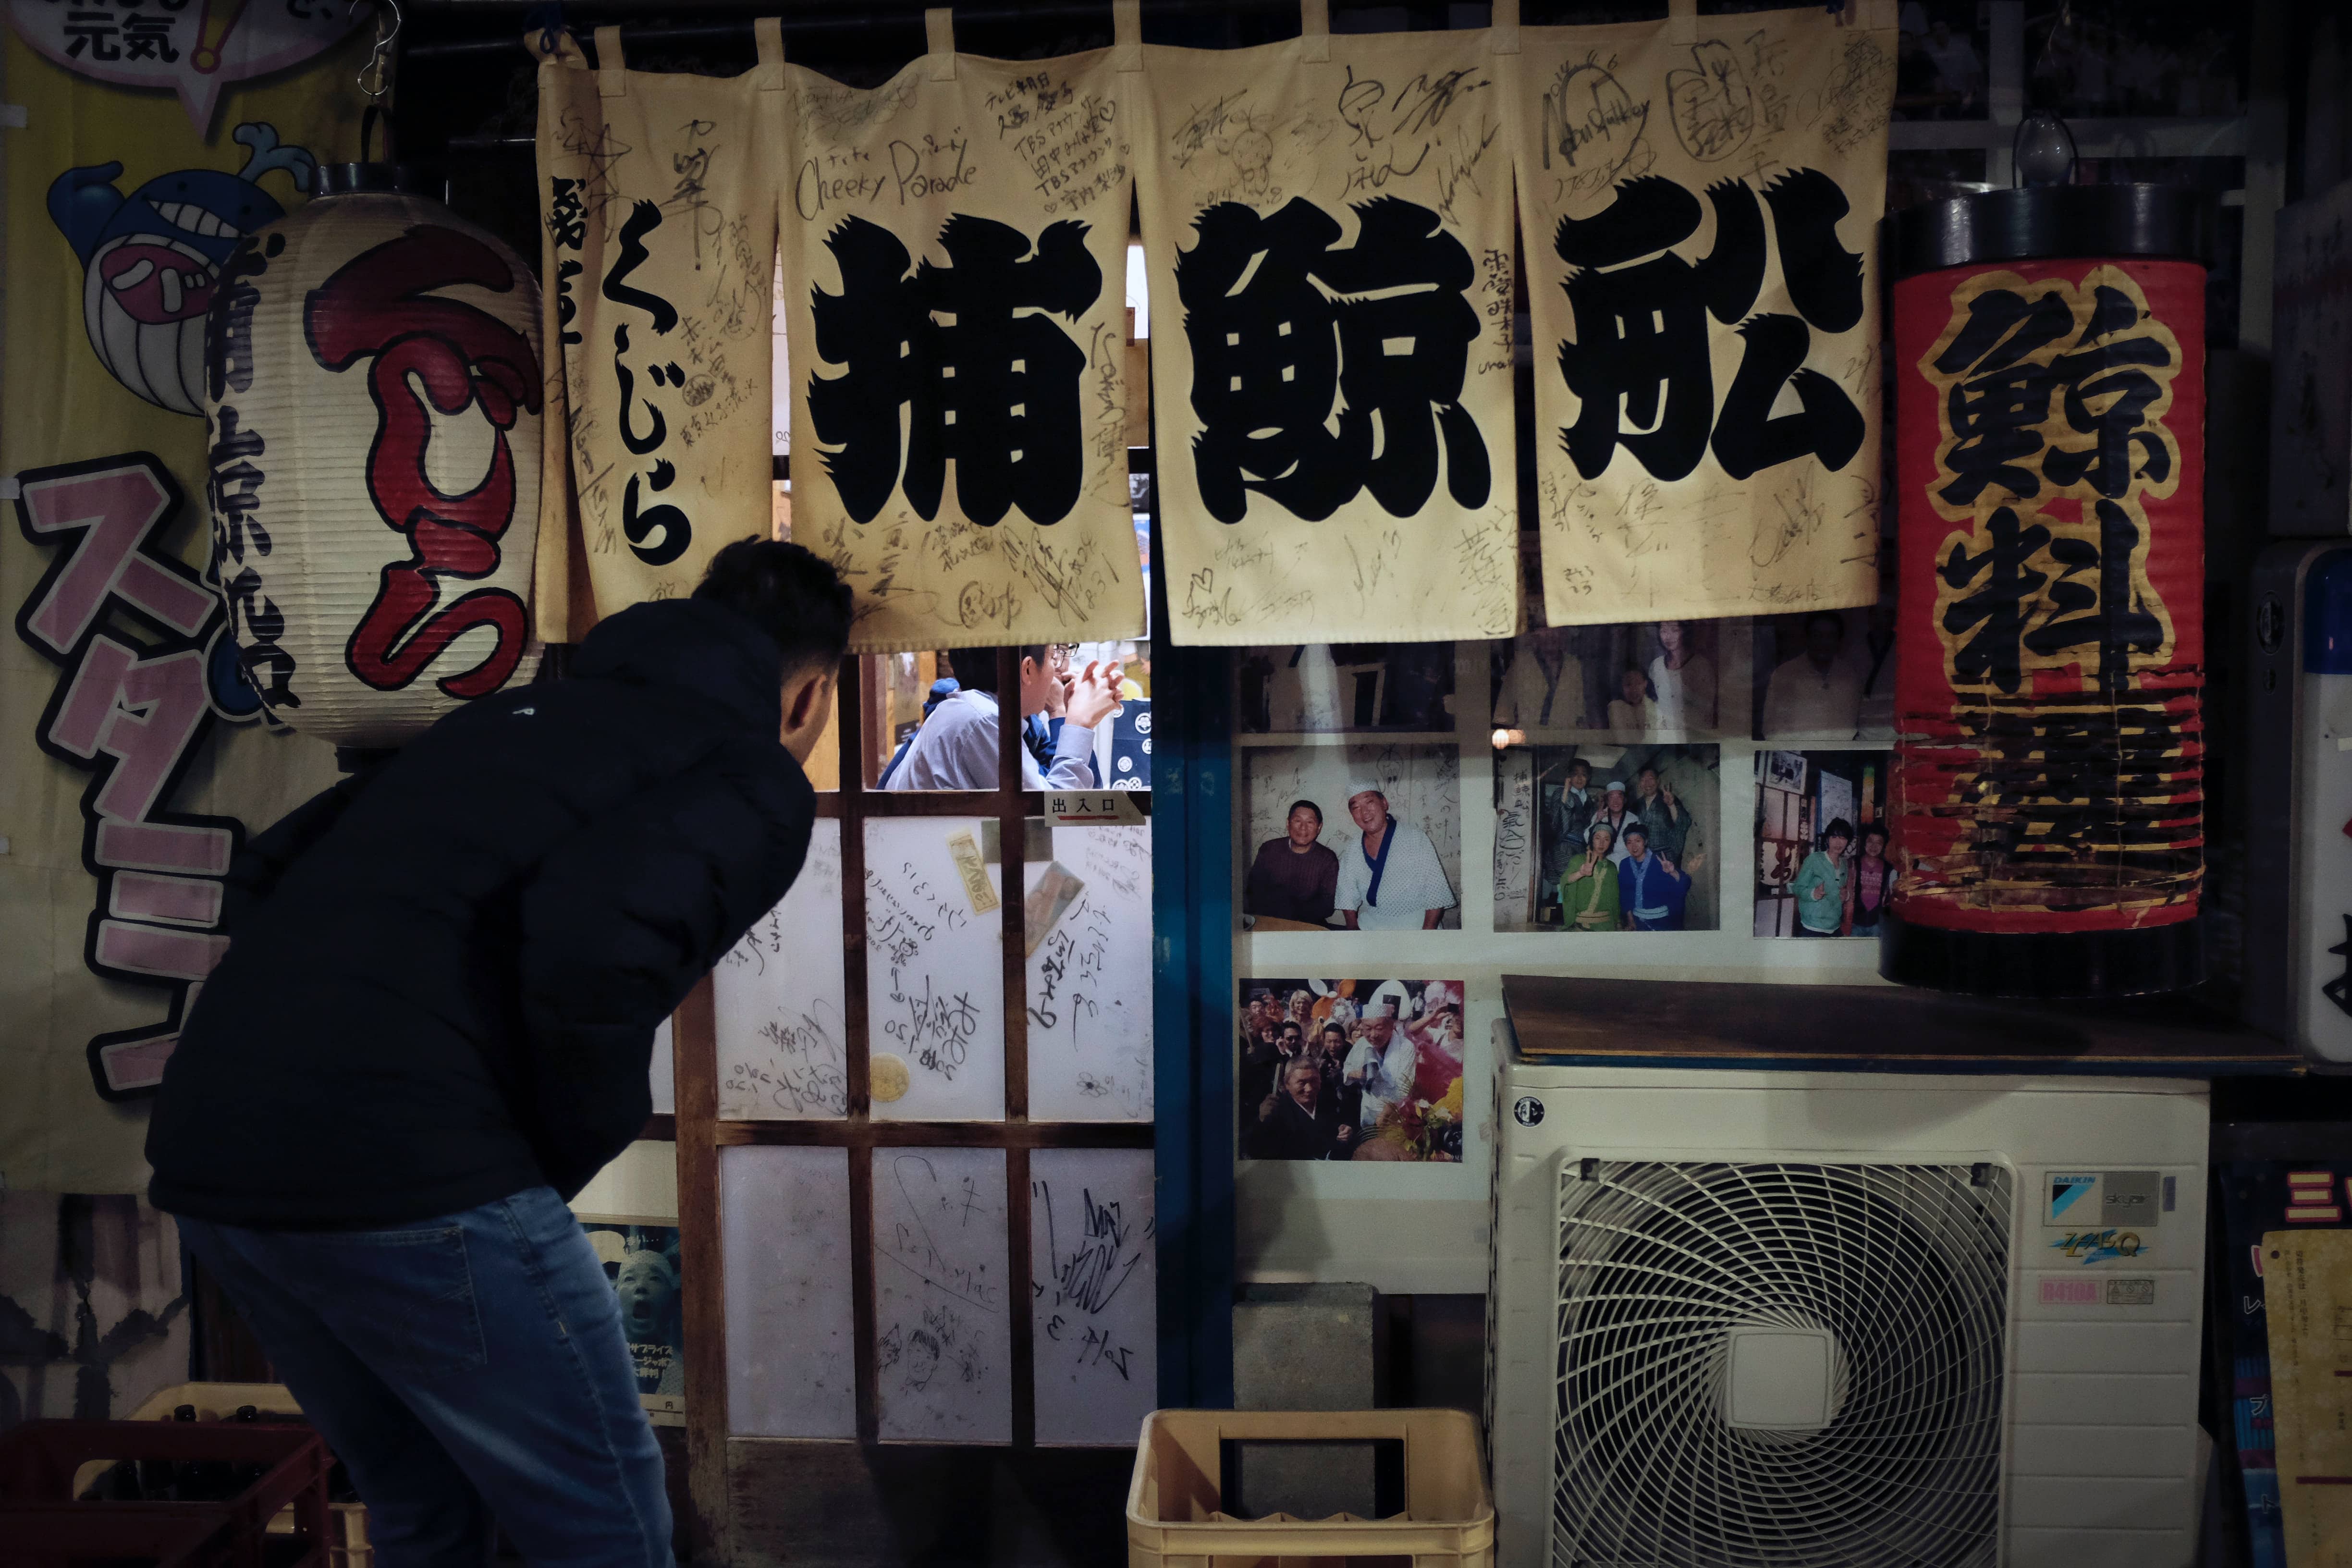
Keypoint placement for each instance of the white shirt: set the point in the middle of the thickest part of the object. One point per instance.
(1413, 883)
(956, 749)
(1801, 700)
(1617, 822)
(1387, 1077)
(1685, 696)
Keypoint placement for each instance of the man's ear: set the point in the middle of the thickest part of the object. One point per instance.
(806, 697)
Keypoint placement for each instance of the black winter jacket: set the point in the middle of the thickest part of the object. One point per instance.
(445, 973)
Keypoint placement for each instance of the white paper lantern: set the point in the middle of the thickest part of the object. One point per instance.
(373, 394)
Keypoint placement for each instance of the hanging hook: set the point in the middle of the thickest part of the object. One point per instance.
(379, 62)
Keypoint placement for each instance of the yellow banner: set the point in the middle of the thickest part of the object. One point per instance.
(658, 206)
(121, 213)
(954, 254)
(1327, 225)
(1699, 198)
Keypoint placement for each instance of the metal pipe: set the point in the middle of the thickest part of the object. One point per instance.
(655, 32)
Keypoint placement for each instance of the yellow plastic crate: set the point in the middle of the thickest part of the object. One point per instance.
(1175, 1518)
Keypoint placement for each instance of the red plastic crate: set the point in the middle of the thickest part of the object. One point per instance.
(42, 1525)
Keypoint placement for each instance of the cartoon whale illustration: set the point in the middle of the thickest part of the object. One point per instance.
(151, 260)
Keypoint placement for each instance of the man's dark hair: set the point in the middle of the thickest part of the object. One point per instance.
(1839, 827)
(787, 592)
(1631, 829)
(1308, 805)
(976, 667)
(1836, 622)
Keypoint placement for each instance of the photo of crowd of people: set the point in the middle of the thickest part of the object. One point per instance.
(1318, 688)
(1352, 838)
(1350, 1069)
(2127, 57)
(1822, 866)
(1617, 838)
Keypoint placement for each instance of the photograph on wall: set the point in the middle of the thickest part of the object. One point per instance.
(1351, 838)
(1640, 680)
(1350, 1069)
(1312, 687)
(641, 1259)
(1607, 837)
(1822, 866)
(1828, 675)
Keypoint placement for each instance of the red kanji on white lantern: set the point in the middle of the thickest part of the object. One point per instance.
(373, 392)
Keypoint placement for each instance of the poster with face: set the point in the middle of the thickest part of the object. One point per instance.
(1699, 196)
(641, 1259)
(1327, 228)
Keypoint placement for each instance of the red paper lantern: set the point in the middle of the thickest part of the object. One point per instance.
(2048, 783)
(372, 393)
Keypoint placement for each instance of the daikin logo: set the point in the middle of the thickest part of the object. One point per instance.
(2067, 1189)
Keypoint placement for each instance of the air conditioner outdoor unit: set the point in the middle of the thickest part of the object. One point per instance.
(1805, 1319)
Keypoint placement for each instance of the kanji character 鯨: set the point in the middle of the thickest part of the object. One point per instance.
(1320, 369)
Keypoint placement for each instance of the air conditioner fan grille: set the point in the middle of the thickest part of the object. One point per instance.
(1892, 1278)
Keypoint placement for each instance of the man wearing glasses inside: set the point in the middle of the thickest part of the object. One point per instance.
(956, 747)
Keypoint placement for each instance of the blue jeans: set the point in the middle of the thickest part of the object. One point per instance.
(462, 1368)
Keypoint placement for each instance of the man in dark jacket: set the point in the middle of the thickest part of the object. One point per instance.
(433, 1026)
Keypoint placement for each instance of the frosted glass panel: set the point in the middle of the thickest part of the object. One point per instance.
(1094, 1312)
(661, 1076)
(942, 1348)
(934, 971)
(1090, 981)
(778, 998)
(791, 1361)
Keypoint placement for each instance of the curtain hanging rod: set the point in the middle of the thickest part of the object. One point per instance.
(635, 33)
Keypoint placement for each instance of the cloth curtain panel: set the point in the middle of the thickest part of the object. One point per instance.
(658, 208)
(1326, 230)
(1699, 198)
(954, 255)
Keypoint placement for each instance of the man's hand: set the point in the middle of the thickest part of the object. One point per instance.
(1343, 1132)
(1057, 696)
(1094, 695)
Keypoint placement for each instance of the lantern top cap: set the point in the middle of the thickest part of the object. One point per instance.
(2050, 222)
(356, 179)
